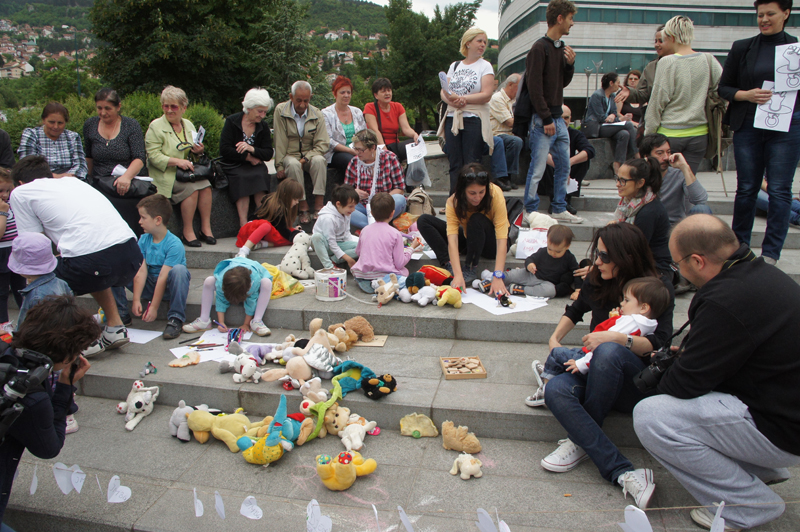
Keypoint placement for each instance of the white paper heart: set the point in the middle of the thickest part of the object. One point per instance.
(718, 524)
(77, 478)
(316, 522)
(404, 519)
(116, 492)
(484, 522)
(501, 525)
(635, 520)
(63, 476)
(16, 474)
(35, 481)
(250, 508)
(219, 505)
(198, 504)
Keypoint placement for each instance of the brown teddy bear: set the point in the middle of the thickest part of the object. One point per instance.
(457, 439)
(345, 337)
(362, 328)
(336, 418)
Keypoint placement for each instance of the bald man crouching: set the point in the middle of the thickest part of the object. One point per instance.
(727, 423)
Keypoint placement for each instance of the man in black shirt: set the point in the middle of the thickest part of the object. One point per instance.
(727, 423)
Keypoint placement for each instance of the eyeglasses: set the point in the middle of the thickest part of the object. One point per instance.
(602, 255)
(170, 106)
(676, 263)
(622, 181)
(360, 150)
(183, 145)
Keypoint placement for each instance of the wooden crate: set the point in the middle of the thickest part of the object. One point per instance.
(480, 371)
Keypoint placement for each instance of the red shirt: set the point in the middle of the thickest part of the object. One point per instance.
(390, 122)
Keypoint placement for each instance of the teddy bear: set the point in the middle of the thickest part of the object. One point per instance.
(315, 360)
(244, 366)
(139, 404)
(458, 439)
(336, 418)
(386, 291)
(354, 433)
(378, 387)
(347, 338)
(226, 428)
(425, 295)
(335, 340)
(338, 473)
(469, 466)
(313, 391)
(296, 262)
(362, 328)
(446, 295)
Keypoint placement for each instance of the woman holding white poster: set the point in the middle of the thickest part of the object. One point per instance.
(757, 151)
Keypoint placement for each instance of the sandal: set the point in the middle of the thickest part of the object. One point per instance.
(305, 217)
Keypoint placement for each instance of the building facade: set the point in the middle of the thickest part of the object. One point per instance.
(621, 33)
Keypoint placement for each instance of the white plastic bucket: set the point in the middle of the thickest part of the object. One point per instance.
(331, 284)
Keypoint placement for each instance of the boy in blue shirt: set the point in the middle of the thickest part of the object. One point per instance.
(163, 274)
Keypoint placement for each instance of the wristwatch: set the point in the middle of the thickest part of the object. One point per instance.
(499, 274)
(629, 342)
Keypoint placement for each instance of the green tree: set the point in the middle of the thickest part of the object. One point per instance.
(203, 46)
(61, 81)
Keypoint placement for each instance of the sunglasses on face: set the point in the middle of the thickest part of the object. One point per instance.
(479, 175)
(602, 255)
(170, 107)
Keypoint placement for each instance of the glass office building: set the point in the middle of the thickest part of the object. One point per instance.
(621, 33)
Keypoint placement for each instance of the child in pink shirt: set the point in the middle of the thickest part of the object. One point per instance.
(380, 247)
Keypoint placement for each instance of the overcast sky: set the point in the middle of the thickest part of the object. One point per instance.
(486, 19)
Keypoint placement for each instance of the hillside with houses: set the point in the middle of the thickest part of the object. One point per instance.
(25, 48)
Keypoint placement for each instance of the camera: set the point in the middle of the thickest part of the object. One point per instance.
(19, 379)
(649, 377)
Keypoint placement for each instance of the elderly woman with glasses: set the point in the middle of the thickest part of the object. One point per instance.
(373, 171)
(477, 223)
(581, 402)
(168, 141)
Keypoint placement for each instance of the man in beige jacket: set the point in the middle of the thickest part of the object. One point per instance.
(301, 140)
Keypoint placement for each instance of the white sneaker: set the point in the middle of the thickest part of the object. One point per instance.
(639, 483)
(243, 252)
(537, 399)
(769, 260)
(565, 458)
(258, 327)
(538, 369)
(197, 325)
(107, 341)
(567, 217)
(704, 518)
(72, 424)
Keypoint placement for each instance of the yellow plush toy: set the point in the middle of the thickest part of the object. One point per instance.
(226, 428)
(340, 472)
(446, 295)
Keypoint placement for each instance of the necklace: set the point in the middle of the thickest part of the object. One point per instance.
(109, 135)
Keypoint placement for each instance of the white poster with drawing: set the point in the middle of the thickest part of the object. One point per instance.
(787, 67)
(776, 114)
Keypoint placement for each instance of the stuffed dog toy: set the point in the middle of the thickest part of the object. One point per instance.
(139, 404)
(296, 262)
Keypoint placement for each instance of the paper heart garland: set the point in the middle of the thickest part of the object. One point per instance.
(250, 508)
(718, 524)
(198, 504)
(77, 478)
(35, 480)
(404, 519)
(116, 492)
(63, 475)
(316, 522)
(485, 523)
(635, 520)
(219, 505)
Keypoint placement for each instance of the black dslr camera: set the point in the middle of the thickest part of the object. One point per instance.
(649, 377)
(18, 380)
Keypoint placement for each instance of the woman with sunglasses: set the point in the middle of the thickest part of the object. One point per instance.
(168, 141)
(581, 402)
(477, 223)
(113, 140)
(638, 183)
(373, 171)
(61, 147)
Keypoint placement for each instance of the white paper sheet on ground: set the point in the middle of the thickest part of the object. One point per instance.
(404, 519)
(219, 505)
(315, 521)
(250, 508)
(430, 253)
(198, 504)
(215, 336)
(34, 480)
(635, 520)
(776, 114)
(116, 492)
(140, 336)
(787, 67)
(572, 186)
(489, 304)
(211, 355)
(417, 151)
(416, 256)
(530, 241)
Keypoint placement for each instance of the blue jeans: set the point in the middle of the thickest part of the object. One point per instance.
(176, 293)
(541, 145)
(513, 147)
(464, 148)
(758, 151)
(359, 216)
(554, 365)
(582, 402)
(700, 208)
(499, 168)
(762, 204)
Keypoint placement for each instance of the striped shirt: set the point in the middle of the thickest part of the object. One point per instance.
(11, 231)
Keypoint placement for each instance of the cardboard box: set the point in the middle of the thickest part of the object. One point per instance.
(477, 373)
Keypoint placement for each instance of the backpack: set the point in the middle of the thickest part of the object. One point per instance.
(419, 202)
(515, 210)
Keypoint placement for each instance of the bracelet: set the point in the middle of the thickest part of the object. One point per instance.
(6, 214)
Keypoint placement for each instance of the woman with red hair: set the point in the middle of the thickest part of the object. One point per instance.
(342, 121)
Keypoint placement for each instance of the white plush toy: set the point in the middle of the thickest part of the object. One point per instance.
(178, 424)
(139, 404)
(469, 466)
(354, 433)
(313, 390)
(245, 367)
(296, 262)
(425, 295)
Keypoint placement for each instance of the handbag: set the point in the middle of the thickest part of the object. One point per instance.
(715, 109)
(220, 178)
(138, 189)
(202, 170)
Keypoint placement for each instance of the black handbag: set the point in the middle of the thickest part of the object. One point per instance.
(202, 170)
(220, 178)
(138, 188)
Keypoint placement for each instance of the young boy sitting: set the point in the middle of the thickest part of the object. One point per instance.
(163, 274)
(331, 236)
(32, 258)
(548, 271)
(380, 249)
(645, 299)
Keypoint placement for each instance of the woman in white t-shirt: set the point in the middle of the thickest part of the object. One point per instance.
(471, 82)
